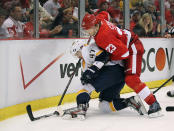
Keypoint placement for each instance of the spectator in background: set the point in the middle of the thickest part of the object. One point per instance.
(71, 4)
(170, 34)
(3, 15)
(88, 7)
(135, 17)
(140, 7)
(169, 14)
(133, 4)
(74, 4)
(151, 9)
(13, 25)
(65, 20)
(66, 4)
(6, 4)
(144, 26)
(46, 19)
(103, 5)
(42, 2)
(93, 4)
(115, 12)
(52, 7)
(44, 33)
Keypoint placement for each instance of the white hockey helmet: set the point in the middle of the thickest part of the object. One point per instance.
(77, 45)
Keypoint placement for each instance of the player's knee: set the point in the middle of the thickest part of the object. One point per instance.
(105, 97)
(83, 98)
(132, 80)
(104, 106)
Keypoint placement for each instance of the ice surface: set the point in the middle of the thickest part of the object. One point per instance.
(125, 120)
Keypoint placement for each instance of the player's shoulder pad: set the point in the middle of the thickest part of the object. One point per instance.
(96, 49)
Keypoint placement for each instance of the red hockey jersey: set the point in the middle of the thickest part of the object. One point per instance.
(113, 40)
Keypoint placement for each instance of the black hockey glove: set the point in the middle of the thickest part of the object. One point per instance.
(90, 74)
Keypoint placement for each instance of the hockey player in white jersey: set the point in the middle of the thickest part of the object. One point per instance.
(107, 77)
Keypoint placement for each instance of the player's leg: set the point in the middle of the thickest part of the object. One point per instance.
(83, 96)
(82, 99)
(132, 79)
(110, 101)
(109, 84)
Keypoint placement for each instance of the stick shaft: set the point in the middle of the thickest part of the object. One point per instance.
(163, 84)
(67, 86)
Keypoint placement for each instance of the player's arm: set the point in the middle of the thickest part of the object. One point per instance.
(114, 46)
(102, 57)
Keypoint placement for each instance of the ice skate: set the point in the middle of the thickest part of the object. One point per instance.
(76, 112)
(155, 110)
(136, 103)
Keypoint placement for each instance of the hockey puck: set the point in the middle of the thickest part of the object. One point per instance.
(170, 108)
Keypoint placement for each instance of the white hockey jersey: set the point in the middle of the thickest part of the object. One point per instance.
(89, 53)
(13, 28)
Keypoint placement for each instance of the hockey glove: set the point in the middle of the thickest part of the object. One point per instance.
(90, 74)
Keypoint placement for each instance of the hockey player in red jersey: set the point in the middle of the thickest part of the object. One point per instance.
(122, 44)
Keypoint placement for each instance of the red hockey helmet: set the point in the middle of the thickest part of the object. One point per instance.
(88, 21)
(103, 15)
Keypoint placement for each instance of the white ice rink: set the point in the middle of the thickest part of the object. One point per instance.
(125, 120)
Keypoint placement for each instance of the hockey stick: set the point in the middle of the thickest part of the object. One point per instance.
(29, 109)
(32, 118)
(163, 84)
(59, 112)
(170, 108)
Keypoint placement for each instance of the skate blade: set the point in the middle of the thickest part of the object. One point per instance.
(156, 114)
(81, 117)
(67, 117)
(134, 110)
(142, 108)
(59, 109)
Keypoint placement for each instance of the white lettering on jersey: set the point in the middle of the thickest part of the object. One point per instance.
(113, 27)
(110, 48)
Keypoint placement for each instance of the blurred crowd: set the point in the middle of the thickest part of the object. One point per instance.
(59, 18)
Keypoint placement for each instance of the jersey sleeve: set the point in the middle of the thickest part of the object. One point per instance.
(113, 46)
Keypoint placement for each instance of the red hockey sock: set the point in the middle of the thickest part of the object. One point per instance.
(150, 99)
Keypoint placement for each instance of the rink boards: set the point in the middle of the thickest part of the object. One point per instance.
(37, 71)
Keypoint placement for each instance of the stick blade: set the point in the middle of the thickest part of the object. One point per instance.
(170, 108)
(29, 112)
